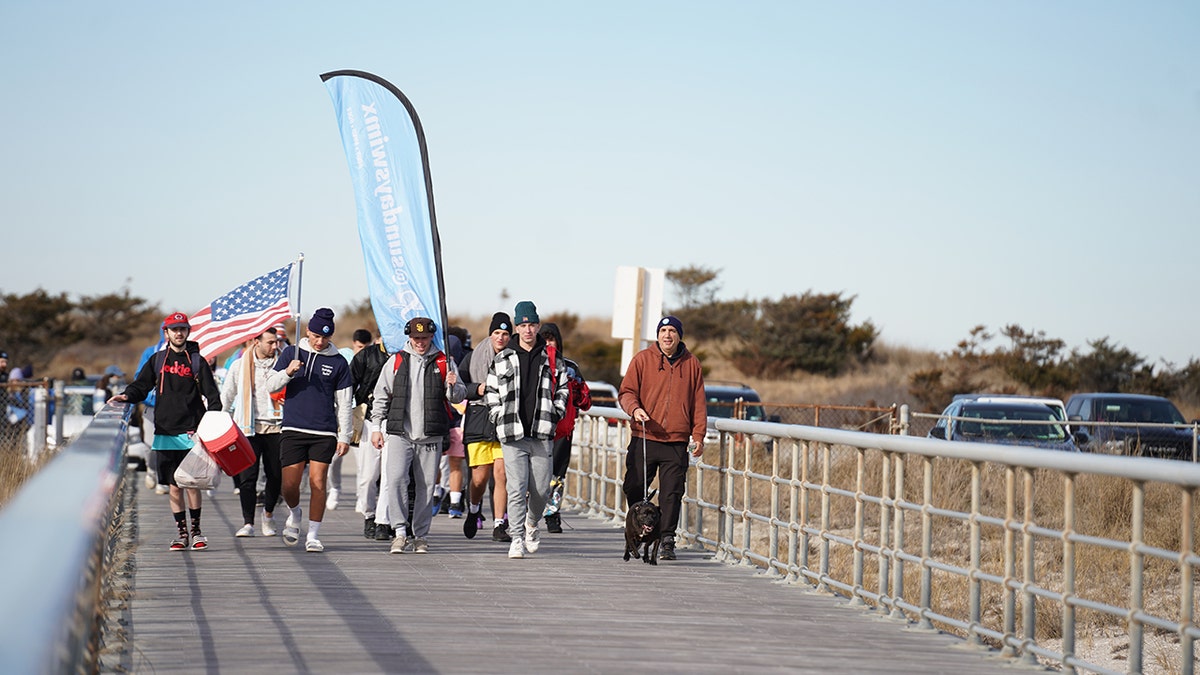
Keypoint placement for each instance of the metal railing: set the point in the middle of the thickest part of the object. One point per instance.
(1020, 549)
(57, 534)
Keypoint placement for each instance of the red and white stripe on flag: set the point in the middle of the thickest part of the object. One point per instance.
(243, 313)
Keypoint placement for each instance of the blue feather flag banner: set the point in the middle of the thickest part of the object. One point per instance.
(389, 168)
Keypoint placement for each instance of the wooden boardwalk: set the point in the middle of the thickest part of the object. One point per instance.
(253, 605)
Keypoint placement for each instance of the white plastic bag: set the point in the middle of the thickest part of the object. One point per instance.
(198, 470)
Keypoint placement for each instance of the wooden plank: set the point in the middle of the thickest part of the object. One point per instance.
(252, 604)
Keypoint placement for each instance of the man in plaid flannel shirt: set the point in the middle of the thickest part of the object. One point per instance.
(526, 395)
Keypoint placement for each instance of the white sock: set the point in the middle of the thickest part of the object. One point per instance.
(475, 508)
(313, 527)
(294, 516)
(456, 497)
(500, 521)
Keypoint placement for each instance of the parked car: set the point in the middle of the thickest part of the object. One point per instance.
(604, 394)
(1055, 404)
(724, 400)
(1128, 438)
(1006, 422)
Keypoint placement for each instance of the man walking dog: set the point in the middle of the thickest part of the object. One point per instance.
(663, 391)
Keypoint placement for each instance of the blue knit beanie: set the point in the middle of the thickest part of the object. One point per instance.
(672, 321)
(321, 322)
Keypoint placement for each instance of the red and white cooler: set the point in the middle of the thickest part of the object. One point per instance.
(225, 442)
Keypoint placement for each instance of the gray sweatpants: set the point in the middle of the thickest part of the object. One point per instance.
(423, 457)
(527, 468)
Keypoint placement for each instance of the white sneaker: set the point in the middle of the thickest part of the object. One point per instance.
(533, 538)
(314, 546)
(331, 500)
(398, 544)
(149, 481)
(246, 531)
(420, 545)
(161, 489)
(517, 548)
(268, 526)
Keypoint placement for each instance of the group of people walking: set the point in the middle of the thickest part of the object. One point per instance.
(521, 397)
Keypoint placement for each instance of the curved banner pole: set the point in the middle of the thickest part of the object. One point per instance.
(389, 167)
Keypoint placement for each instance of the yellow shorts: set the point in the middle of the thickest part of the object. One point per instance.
(486, 452)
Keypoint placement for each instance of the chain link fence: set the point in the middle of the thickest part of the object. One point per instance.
(25, 407)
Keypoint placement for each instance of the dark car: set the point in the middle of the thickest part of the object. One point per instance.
(1012, 422)
(1123, 435)
(734, 400)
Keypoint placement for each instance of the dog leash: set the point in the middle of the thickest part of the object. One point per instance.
(645, 468)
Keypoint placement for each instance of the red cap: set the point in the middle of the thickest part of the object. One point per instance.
(176, 320)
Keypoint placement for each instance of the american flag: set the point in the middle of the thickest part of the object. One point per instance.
(243, 313)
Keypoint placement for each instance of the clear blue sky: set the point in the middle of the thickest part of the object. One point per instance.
(947, 163)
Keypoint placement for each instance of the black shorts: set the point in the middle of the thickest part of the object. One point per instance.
(297, 447)
(168, 461)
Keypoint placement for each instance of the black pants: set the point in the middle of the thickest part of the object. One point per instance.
(266, 450)
(670, 462)
(560, 454)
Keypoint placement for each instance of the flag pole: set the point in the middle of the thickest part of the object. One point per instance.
(299, 280)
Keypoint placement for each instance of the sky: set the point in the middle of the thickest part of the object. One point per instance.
(947, 164)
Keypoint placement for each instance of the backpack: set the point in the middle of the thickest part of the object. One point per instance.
(160, 361)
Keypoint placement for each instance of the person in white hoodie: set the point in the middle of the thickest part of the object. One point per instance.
(410, 406)
(316, 423)
(247, 396)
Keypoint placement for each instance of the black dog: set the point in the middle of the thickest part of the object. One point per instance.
(642, 529)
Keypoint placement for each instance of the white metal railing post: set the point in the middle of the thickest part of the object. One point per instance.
(1187, 598)
(885, 523)
(805, 511)
(59, 402)
(1029, 576)
(1068, 607)
(898, 541)
(747, 490)
(973, 583)
(826, 461)
(860, 466)
(40, 400)
(794, 515)
(1010, 559)
(725, 540)
(904, 419)
(1137, 562)
(926, 543)
(773, 530)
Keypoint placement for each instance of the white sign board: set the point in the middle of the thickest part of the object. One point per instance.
(627, 301)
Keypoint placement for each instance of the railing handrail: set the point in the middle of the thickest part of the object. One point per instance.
(47, 608)
(1171, 471)
(767, 496)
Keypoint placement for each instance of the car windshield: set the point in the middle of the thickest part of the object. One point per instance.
(722, 404)
(1155, 411)
(1012, 423)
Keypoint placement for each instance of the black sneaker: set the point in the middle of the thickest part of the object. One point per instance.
(554, 523)
(369, 528)
(500, 532)
(667, 549)
(384, 532)
(471, 524)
